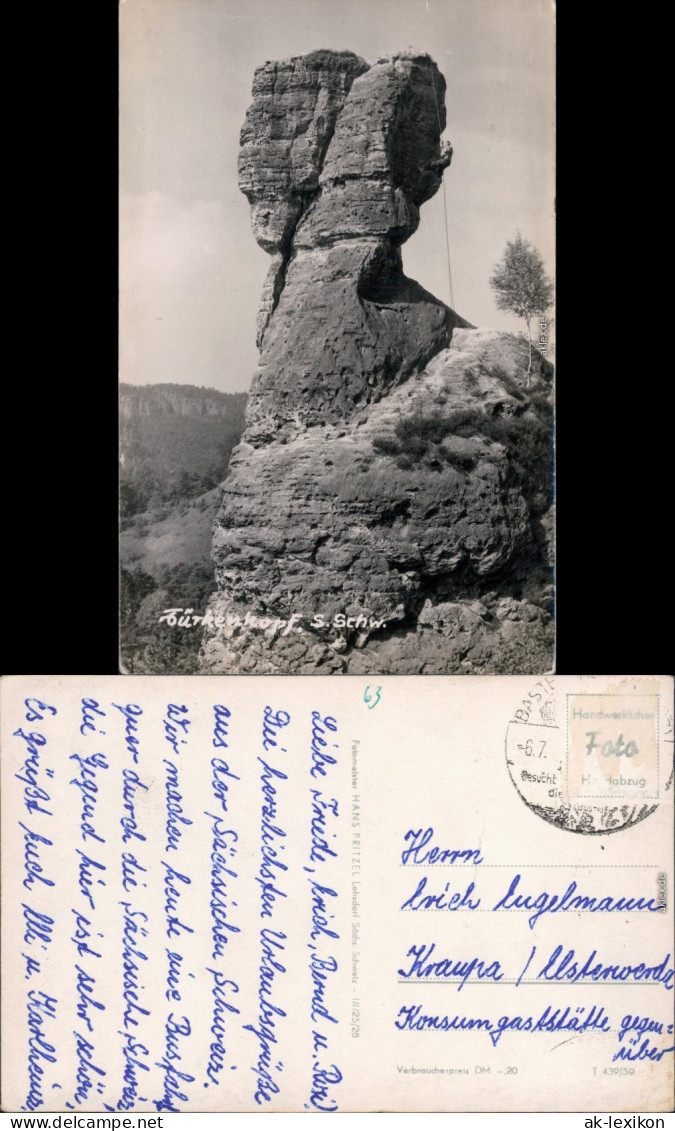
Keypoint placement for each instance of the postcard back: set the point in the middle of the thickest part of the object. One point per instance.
(269, 894)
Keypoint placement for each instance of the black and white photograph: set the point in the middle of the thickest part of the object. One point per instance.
(337, 337)
(333, 434)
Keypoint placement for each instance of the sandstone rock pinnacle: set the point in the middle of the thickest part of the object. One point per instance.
(336, 159)
(328, 512)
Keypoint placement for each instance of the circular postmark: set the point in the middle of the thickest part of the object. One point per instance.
(585, 755)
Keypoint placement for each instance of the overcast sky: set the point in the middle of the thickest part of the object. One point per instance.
(191, 271)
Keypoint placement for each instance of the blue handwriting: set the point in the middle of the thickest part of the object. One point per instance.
(420, 838)
(86, 783)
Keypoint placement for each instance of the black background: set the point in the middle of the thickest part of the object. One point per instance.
(614, 380)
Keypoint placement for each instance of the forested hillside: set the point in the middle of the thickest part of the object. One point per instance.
(175, 444)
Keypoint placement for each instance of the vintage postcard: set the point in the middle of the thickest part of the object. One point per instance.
(319, 895)
(337, 337)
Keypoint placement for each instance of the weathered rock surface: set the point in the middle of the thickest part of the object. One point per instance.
(336, 159)
(394, 469)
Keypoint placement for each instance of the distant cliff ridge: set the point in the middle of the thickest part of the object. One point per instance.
(175, 400)
(392, 486)
(175, 442)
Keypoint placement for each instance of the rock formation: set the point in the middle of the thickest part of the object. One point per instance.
(389, 499)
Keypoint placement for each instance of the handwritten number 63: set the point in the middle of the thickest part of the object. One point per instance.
(371, 699)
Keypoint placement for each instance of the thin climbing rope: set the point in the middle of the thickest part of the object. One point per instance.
(445, 202)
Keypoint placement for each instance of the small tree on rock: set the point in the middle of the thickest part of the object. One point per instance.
(521, 285)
